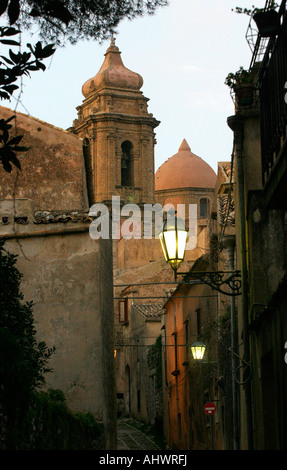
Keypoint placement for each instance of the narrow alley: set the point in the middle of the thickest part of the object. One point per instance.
(132, 435)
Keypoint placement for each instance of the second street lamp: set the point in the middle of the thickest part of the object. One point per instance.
(198, 350)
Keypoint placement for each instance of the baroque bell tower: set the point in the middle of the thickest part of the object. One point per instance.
(118, 134)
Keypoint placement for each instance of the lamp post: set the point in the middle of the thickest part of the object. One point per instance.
(229, 243)
(173, 238)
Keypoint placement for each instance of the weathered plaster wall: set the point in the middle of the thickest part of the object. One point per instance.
(53, 172)
(69, 278)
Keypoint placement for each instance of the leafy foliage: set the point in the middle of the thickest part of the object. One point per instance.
(77, 19)
(241, 76)
(251, 11)
(50, 425)
(23, 360)
(11, 69)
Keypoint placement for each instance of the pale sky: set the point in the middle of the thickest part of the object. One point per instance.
(183, 53)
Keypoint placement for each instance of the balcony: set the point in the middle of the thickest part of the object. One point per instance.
(272, 85)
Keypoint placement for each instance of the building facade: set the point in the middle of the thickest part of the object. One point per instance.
(260, 198)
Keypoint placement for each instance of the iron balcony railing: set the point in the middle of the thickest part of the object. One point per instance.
(272, 96)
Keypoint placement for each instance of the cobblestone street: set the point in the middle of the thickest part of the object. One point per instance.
(130, 437)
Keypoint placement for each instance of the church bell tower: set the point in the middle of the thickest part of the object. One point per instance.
(118, 134)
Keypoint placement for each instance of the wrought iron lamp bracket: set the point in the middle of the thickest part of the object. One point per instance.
(216, 280)
(245, 365)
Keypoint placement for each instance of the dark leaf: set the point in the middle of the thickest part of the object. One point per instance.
(10, 42)
(6, 165)
(15, 57)
(32, 67)
(25, 56)
(10, 119)
(31, 48)
(5, 161)
(9, 31)
(3, 6)
(4, 96)
(15, 140)
(10, 88)
(37, 51)
(7, 60)
(40, 65)
(47, 51)
(13, 11)
(15, 161)
(21, 148)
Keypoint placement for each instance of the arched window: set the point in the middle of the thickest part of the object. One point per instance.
(126, 164)
(203, 207)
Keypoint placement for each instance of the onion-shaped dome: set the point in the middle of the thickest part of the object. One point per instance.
(113, 74)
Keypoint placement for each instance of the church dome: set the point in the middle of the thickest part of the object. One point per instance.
(113, 73)
(184, 170)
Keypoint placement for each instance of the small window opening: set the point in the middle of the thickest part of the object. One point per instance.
(203, 208)
(89, 170)
(198, 321)
(123, 311)
(126, 167)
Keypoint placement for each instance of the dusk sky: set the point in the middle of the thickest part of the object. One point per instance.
(183, 53)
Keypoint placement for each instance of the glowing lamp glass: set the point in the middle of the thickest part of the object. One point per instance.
(198, 350)
(173, 236)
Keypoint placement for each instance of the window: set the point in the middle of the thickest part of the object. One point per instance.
(186, 341)
(179, 430)
(203, 207)
(176, 371)
(126, 164)
(198, 321)
(89, 170)
(123, 311)
(175, 350)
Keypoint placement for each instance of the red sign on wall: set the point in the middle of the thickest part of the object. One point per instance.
(209, 408)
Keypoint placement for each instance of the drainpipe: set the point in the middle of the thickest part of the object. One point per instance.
(229, 243)
(236, 125)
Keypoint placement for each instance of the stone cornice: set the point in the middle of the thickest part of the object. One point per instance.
(50, 217)
(117, 117)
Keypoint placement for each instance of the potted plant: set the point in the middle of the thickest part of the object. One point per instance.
(266, 19)
(242, 83)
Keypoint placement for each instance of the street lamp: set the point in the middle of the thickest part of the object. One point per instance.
(173, 237)
(198, 350)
